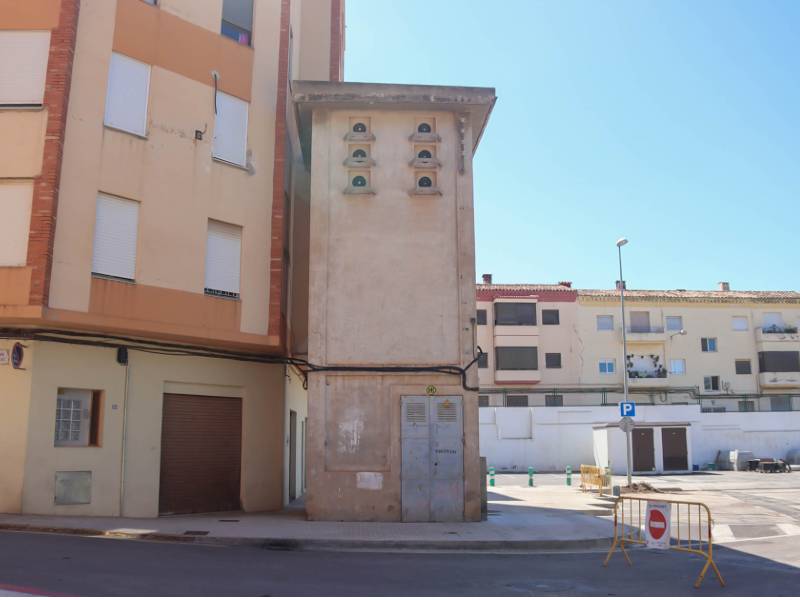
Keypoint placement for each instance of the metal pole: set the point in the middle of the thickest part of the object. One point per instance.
(628, 454)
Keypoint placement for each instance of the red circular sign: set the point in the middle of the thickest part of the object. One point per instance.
(657, 524)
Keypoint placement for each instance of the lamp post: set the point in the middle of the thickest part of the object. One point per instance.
(629, 455)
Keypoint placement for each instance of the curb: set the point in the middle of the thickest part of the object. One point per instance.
(296, 544)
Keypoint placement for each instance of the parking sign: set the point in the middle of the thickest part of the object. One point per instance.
(627, 409)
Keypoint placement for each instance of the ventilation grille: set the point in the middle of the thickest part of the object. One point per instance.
(446, 412)
(415, 412)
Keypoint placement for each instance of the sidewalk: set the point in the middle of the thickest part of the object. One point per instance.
(542, 518)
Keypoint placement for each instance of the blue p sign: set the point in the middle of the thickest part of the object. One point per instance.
(627, 409)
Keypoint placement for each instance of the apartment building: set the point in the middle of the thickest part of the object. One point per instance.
(199, 267)
(692, 356)
(146, 186)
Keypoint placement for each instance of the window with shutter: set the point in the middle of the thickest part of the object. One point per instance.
(223, 259)
(230, 130)
(23, 66)
(115, 228)
(16, 198)
(126, 96)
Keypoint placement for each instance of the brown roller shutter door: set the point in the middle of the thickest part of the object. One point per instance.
(201, 454)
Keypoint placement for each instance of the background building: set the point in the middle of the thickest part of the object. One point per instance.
(697, 360)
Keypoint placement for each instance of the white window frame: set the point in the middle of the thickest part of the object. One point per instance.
(708, 383)
(667, 325)
(223, 243)
(23, 67)
(73, 418)
(122, 112)
(115, 244)
(598, 321)
(709, 343)
(607, 362)
(677, 361)
(232, 115)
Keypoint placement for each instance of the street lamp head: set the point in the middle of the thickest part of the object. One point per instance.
(621, 242)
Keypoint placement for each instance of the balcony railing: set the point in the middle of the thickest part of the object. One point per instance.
(659, 373)
(779, 329)
(645, 329)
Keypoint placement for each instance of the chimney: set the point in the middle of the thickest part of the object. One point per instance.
(487, 278)
(567, 284)
(621, 285)
(724, 286)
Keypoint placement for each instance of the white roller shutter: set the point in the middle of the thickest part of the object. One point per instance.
(223, 257)
(115, 229)
(23, 66)
(230, 130)
(126, 96)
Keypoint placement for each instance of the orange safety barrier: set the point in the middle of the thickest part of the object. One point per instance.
(685, 523)
(592, 476)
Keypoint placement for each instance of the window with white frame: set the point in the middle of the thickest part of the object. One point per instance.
(711, 383)
(739, 323)
(605, 322)
(674, 323)
(127, 93)
(708, 344)
(115, 227)
(677, 366)
(77, 420)
(230, 130)
(607, 366)
(223, 259)
(23, 67)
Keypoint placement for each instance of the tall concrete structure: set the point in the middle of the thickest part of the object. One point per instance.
(391, 211)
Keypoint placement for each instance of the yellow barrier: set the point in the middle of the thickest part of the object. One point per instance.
(629, 528)
(592, 476)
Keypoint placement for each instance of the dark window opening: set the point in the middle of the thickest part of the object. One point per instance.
(483, 401)
(708, 344)
(237, 20)
(359, 128)
(552, 360)
(550, 317)
(481, 316)
(779, 361)
(424, 128)
(359, 181)
(743, 367)
(424, 154)
(425, 182)
(483, 360)
(515, 313)
(517, 401)
(747, 406)
(517, 358)
(780, 403)
(711, 383)
(554, 400)
(359, 153)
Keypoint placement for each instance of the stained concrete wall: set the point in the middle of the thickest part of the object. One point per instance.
(15, 395)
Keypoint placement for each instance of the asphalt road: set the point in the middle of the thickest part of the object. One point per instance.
(72, 565)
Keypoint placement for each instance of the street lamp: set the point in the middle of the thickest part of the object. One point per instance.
(620, 243)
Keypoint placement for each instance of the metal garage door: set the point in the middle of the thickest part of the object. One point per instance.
(644, 454)
(201, 454)
(676, 453)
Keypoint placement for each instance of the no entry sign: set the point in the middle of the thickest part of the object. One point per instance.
(657, 525)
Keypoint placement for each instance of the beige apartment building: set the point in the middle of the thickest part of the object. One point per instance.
(199, 267)
(551, 374)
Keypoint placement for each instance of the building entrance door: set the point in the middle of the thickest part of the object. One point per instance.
(676, 454)
(432, 472)
(644, 454)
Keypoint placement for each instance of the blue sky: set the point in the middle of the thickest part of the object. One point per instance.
(675, 123)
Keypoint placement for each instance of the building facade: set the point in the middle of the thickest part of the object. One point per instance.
(147, 187)
(206, 234)
(554, 354)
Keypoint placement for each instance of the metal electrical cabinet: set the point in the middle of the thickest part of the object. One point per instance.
(432, 474)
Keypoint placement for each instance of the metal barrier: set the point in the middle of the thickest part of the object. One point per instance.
(592, 476)
(687, 519)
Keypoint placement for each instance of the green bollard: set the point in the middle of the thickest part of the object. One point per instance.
(530, 476)
(491, 476)
(569, 475)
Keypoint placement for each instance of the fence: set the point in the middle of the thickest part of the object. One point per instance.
(628, 529)
(592, 476)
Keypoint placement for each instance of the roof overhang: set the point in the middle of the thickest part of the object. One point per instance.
(475, 102)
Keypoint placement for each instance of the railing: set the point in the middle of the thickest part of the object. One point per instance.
(779, 329)
(659, 373)
(645, 329)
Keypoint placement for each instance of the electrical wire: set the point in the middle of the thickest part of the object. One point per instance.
(173, 349)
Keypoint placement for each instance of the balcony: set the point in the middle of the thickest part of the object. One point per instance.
(517, 376)
(778, 334)
(779, 379)
(648, 378)
(649, 333)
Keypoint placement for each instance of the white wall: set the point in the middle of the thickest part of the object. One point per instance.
(564, 436)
